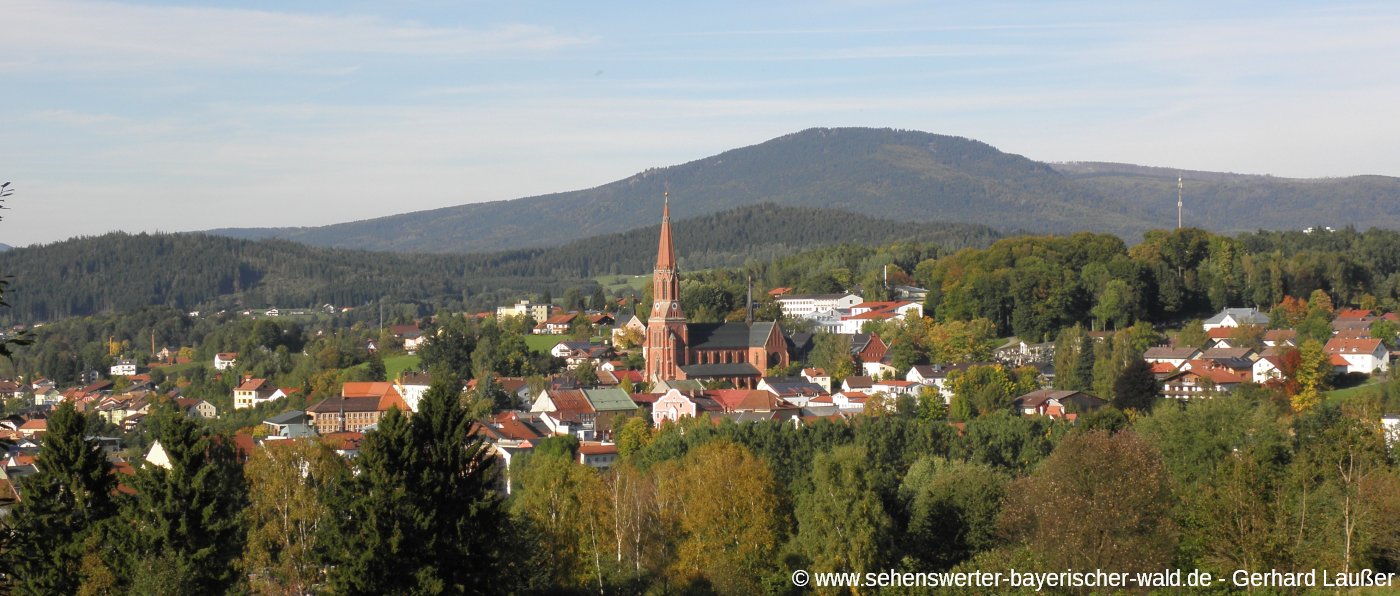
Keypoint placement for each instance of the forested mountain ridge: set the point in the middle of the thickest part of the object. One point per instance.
(894, 174)
(119, 272)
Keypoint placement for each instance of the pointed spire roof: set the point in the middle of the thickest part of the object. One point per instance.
(666, 252)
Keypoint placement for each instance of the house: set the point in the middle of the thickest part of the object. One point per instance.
(359, 406)
(292, 424)
(674, 405)
(157, 456)
(1280, 337)
(567, 412)
(896, 388)
(597, 455)
(607, 405)
(1267, 368)
(633, 325)
(1056, 403)
(910, 293)
(510, 434)
(795, 390)
(869, 349)
(747, 400)
(818, 376)
(252, 392)
(34, 428)
(124, 368)
(564, 348)
(557, 325)
(411, 386)
(345, 444)
(1173, 356)
(197, 408)
(850, 401)
(225, 360)
(857, 383)
(1366, 355)
(1202, 381)
(878, 311)
(1235, 317)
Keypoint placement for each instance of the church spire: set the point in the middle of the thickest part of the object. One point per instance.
(666, 252)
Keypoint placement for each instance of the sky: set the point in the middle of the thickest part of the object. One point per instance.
(162, 116)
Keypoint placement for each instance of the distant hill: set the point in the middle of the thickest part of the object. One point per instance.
(891, 174)
(119, 272)
(4, 247)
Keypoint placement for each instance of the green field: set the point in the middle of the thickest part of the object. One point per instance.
(394, 365)
(614, 283)
(542, 343)
(1337, 396)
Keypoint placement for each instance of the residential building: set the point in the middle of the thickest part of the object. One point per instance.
(252, 392)
(1056, 403)
(1235, 317)
(124, 368)
(292, 424)
(804, 305)
(1366, 355)
(524, 308)
(225, 360)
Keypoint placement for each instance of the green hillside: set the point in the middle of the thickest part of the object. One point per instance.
(119, 272)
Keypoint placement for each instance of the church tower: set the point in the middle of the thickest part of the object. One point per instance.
(666, 328)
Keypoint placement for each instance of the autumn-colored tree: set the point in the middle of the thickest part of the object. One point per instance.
(1288, 313)
(1311, 375)
(568, 510)
(725, 504)
(1320, 302)
(1100, 501)
(288, 484)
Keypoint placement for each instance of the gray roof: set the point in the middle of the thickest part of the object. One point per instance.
(1248, 316)
(1169, 353)
(712, 336)
(609, 400)
(1226, 353)
(721, 370)
(289, 417)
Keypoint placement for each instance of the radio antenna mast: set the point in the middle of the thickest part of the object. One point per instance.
(1178, 202)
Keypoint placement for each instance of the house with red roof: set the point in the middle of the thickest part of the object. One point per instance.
(1057, 403)
(1202, 380)
(252, 392)
(1360, 355)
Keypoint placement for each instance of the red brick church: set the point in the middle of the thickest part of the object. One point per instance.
(738, 352)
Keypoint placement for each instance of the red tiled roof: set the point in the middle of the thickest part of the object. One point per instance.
(1159, 368)
(252, 385)
(1342, 345)
(1220, 332)
(343, 441)
(1338, 360)
(1353, 314)
(592, 448)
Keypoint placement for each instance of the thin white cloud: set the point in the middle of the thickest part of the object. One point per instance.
(88, 35)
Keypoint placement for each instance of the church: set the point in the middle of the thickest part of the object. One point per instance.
(738, 352)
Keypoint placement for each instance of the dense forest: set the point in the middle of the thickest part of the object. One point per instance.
(1034, 286)
(898, 174)
(117, 272)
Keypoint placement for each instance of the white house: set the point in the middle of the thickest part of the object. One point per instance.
(1364, 355)
(225, 360)
(818, 376)
(895, 388)
(1235, 317)
(123, 368)
(1173, 356)
(1267, 369)
(673, 405)
(252, 392)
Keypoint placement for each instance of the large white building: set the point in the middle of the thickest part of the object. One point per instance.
(804, 305)
(524, 308)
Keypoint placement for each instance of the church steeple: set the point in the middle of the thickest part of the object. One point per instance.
(667, 335)
(666, 252)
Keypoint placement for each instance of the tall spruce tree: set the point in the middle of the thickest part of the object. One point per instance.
(183, 529)
(421, 515)
(1136, 388)
(63, 505)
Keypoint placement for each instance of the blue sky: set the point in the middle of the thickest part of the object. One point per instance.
(156, 116)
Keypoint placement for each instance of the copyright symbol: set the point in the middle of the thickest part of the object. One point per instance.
(799, 578)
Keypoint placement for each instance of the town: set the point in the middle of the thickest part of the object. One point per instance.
(614, 383)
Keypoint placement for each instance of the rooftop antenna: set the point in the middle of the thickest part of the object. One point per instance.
(1178, 202)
